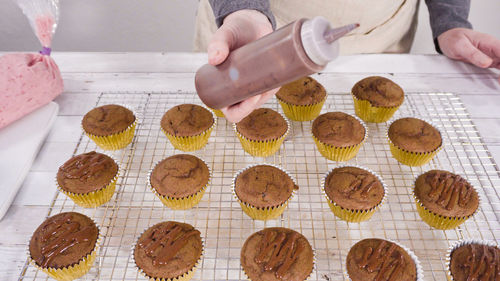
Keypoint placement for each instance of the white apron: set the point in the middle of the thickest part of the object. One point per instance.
(387, 26)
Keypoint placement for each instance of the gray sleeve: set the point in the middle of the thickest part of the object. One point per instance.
(447, 14)
(222, 8)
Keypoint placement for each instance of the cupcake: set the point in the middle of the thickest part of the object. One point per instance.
(473, 260)
(413, 141)
(444, 200)
(353, 193)
(302, 99)
(262, 132)
(65, 245)
(376, 99)
(263, 191)
(377, 259)
(168, 251)
(275, 254)
(188, 126)
(180, 181)
(89, 179)
(110, 126)
(338, 136)
(217, 112)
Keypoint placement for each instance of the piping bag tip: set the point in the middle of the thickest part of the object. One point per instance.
(334, 34)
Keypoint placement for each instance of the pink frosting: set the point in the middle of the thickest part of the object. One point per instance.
(44, 26)
(27, 82)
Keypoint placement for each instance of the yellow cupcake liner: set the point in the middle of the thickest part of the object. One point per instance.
(74, 271)
(191, 143)
(351, 215)
(183, 203)
(419, 270)
(340, 154)
(262, 148)
(115, 141)
(372, 114)
(258, 213)
(217, 112)
(95, 198)
(459, 244)
(184, 277)
(301, 112)
(413, 159)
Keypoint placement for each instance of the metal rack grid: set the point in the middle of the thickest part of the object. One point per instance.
(225, 227)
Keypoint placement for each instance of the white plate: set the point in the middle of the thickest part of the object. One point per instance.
(19, 145)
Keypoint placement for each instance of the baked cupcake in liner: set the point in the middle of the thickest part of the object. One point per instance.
(439, 221)
(183, 203)
(307, 278)
(192, 143)
(184, 277)
(95, 198)
(116, 141)
(258, 213)
(217, 112)
(262, 148)
(291, 98)
(342, 153)
(352, 215)
(459, 244)
(409, 158)
(371, 110)
(419, 269)
(74, 271)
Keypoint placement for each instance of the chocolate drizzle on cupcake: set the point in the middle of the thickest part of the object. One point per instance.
(163, 243)
(448, 189)
(475, 262)
(385, 261)
(284, 251)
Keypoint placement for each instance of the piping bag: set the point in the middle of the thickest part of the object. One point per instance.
(296, 50)
(31, 80)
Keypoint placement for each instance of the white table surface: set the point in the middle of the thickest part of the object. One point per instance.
(86, 75)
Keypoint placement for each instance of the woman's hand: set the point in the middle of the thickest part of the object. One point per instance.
(239, 28)
(470, 46)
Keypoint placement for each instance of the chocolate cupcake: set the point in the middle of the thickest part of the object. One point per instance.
(376, 99)
(444, 200)
(263, 191)
(188, 126)
(378, 259)
(65, 245)
(168, 251)
(262, 132)
(338, 135)
(180, 181)
(413, 141)
(89, 179)
(277, 253)
(110, 126)
(353, 193)
(302, 99)
(473, 260)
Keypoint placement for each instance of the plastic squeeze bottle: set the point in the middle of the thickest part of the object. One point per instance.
(296, 50)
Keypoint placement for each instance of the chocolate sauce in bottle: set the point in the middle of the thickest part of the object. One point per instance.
(296, 50)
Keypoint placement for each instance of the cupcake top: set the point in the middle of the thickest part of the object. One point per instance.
(277, 253)
(414, 135)
(179, 176)
(446, 194)
(87, 172)
(264, 186)
(338, 129)
(377, 259)
(475, 262)
(168, 249)
(107, 120)
(187, 120)
(262, 124)
(354, 188)
(63, 240)
(379, 91)
(304, 91)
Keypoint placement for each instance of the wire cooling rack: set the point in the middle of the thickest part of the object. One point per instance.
(225, 227)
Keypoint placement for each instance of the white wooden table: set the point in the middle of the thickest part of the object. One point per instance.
(86, 75)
